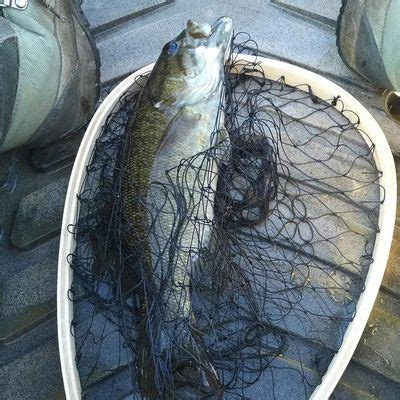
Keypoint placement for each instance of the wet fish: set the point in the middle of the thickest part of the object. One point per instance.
(175, 121)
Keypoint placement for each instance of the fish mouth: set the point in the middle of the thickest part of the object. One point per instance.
(222, 33)
(218, 36)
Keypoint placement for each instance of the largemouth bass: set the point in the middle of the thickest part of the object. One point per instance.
(168, 188)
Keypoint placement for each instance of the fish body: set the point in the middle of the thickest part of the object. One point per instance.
(168, 187)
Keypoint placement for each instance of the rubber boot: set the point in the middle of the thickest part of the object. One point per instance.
(368, 34)
(49, 71)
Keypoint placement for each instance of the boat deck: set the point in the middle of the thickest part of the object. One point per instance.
(33, 186)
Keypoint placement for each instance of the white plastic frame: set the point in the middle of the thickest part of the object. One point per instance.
(323, 88)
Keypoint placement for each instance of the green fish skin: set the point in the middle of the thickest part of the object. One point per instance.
(175, 120)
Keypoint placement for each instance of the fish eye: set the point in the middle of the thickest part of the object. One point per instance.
(172, 48)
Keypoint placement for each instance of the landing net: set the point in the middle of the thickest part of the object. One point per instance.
(263, 304)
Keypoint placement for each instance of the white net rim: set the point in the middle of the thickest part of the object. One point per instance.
(274, 70)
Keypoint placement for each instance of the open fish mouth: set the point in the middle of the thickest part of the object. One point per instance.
(203, 52)
(222, 34)
(217, 35)
(222, 30)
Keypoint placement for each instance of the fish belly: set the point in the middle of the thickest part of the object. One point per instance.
(181, 199)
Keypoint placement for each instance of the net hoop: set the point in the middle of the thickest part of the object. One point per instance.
(274, 70)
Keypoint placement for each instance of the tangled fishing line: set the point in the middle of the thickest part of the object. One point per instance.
(294, 222)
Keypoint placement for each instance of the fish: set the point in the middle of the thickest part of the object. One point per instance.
(168, 190)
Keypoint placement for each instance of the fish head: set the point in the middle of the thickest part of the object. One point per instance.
(190, 68)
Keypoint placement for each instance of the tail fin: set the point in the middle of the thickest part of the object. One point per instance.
(196, 379)
(209, 381)
(188, 375)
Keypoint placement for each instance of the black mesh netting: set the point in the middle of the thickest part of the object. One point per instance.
(259, 308)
